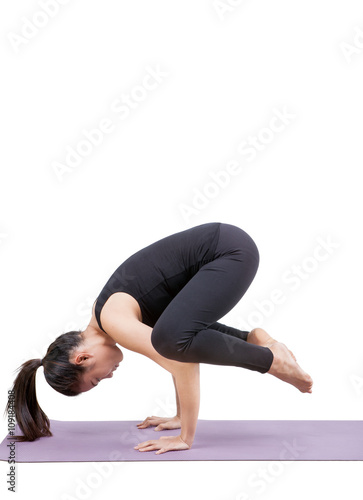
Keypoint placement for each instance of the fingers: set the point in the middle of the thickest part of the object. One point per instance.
(162, 445)
(147, 446)
(147, 422)
(143, 425)
(159, 421)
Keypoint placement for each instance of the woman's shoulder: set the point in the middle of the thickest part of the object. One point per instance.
(118, 305)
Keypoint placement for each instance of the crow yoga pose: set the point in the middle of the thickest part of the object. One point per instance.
(164, 302)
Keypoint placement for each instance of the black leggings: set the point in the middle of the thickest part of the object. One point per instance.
(188, 330)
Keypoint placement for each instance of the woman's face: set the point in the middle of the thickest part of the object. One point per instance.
(100, 361)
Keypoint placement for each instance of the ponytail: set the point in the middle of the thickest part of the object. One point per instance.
(61, 375)
(31, 419)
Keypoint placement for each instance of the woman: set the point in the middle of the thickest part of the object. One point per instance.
(164, 302)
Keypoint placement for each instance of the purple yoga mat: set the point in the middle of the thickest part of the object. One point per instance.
(113, 441)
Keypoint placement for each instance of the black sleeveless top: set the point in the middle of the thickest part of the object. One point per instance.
(155, 274)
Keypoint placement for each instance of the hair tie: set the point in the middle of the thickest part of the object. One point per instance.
(41, 362)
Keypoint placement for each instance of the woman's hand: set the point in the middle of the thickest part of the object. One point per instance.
(164, 444)
(161, 423)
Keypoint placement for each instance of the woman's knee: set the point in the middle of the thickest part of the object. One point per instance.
(249, 253)
(234, 239)
(161, 340)
(166, 341)
(158, 339)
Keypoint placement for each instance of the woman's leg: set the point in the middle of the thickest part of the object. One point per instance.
(229, 330)
(184, 331)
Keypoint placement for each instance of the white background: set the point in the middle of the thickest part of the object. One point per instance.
(227, 68)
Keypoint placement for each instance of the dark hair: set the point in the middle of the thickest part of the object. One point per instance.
(61, 375)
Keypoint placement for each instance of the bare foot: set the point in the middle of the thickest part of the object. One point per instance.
(284, 365)
(259, 336)
(286, 368)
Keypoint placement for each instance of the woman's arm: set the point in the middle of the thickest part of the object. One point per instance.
(130, 333)
(177, 398)
(136, 336)
(188, 387)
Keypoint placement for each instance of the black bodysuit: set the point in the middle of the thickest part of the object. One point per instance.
(155, 274)
(183, 284)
